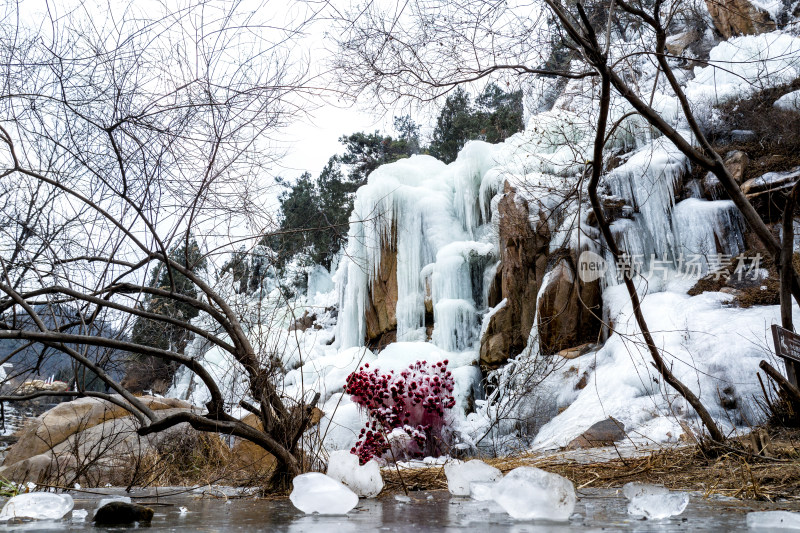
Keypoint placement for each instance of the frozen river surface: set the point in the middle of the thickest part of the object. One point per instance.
(597, 510)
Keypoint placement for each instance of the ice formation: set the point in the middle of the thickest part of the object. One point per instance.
(528, 493)
(654, 502)
(771, 520)
(37, 506)
(461, 475)
(318, 493)
(364, 480)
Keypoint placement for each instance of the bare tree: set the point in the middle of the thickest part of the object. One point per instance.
(122, 137)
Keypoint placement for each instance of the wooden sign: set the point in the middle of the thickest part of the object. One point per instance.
(787, 343)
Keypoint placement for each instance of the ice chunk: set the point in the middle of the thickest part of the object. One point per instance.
(653, 501)
(481, 491)
(635, 490)
(528, 493)
(460, 475)
(318, 493)
(38, 506)
(79, 515)
(773, 520)
(363, 480)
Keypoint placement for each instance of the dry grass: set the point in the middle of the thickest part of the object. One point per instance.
(730, 471)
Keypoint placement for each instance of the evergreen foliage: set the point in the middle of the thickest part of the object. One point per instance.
(493, 117)
(314, 214)
(145, 371)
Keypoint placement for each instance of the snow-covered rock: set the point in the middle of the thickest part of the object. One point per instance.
(317, 493)
(773, 520)
(653, 501)
(364, 480)
(111, 499)
(789, 101)
(460, 475)
(528, 493)
(37, 506)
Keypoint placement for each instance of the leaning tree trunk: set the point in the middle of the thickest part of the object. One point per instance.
(620, 258)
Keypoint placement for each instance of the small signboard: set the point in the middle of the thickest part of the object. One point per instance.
(787, 343)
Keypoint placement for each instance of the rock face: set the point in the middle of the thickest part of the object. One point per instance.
(380, 314)
(523, 258)
(568, 309)
(739, 17)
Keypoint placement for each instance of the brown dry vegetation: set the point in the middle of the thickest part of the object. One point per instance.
(733, 471)
(776, 146)
(191, 459)
(748, 293)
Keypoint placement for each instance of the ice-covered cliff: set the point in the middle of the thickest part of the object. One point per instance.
(478, 262)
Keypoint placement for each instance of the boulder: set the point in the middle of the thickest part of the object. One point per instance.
(577, 351)
(614, 207)
(304, 322)
(98, 454)
(66, 419)
(603, 433)
(119, 513)
(739, 17)
(736, 162)
(712, 188)
(496, 342)
(768, 192)
(567, 309)
(680, 43)
(250, 456)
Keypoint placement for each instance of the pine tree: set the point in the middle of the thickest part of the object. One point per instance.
(495, 116)
(150, 372)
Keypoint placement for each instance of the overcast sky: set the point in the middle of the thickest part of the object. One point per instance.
(312, 140)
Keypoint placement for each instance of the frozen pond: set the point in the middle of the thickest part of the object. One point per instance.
(597, 510)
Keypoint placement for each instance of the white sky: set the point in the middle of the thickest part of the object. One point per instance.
(312, 140)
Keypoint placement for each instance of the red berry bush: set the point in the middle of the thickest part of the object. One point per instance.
(412, 402)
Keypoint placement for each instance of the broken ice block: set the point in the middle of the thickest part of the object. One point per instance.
(481, 491)
(653, 501)
(774, 520)
(528, 493)
(363, 480)
(318, 493)
(460, 475)
(37, 506)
